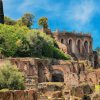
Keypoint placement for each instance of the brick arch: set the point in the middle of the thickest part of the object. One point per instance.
(57, 76)
(62, 40)
(79, 45)
(70, 43)
(60, 68)
(86, 46)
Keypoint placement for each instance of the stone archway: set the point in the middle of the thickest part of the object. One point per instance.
(57, 76)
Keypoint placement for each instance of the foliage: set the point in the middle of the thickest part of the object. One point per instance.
(59, 54)
(10, 39)
(43, 21)
(27, 19)
(9, 21)
(22, 42)
(10, 77)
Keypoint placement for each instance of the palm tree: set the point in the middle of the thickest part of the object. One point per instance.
(1, 12)
(43, 21)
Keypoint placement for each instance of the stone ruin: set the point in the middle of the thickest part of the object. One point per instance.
(58, 79)
(78, 45)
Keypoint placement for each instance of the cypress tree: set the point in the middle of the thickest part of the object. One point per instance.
(1, 12)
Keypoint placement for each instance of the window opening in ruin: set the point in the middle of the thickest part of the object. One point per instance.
(86, 46)
(79, 46)
(57, 77)
(70, 45)
(62, 40)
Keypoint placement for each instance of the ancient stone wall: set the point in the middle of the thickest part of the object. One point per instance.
(78, 45)
(18, 95)
(72, 73)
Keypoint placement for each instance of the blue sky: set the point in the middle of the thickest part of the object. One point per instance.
(66, 15)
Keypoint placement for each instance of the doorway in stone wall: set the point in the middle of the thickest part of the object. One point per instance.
(57, 76)
(41, 73)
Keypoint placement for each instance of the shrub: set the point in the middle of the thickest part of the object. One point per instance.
(11, 78)
(11, 38)
(16, 41)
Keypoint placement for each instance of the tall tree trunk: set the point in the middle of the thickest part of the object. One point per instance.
(1, 12)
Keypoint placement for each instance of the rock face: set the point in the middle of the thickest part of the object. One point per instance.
(77, 77)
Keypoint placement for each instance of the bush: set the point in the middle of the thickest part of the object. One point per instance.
(59, 54)
(11, 38)
(17, 41)
(11, 78)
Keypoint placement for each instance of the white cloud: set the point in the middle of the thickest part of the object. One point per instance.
(36, 5)
(80, 14)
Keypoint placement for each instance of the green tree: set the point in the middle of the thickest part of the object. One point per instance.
(43, 21)
(20, 41)
(27, 19)
(9, 21)
(11, 38)
(10, 77)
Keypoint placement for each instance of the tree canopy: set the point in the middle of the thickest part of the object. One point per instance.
(16, 41)
(9, 21)
(27, 19)
(43, 21)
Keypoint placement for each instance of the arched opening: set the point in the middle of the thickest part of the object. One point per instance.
(57, 76)
(41, 73)
(62, 40)
(79, 46)
(70, 44)
(86, 46)
(86, 97)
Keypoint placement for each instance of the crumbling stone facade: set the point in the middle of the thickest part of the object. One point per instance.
(41, 73)
(78, 45)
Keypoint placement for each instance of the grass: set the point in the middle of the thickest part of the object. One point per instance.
(4, 90)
